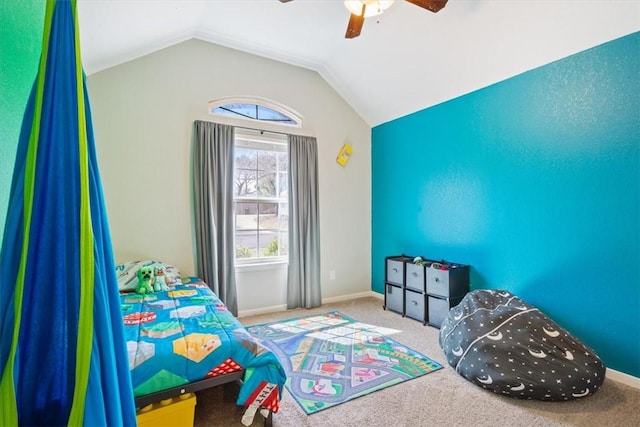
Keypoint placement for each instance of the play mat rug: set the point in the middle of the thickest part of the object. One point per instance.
(331, 358)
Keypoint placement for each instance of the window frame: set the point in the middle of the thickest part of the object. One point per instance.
(258, 137)
(261, 102)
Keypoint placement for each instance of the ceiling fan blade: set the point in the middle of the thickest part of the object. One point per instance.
(355, 24)
(285, 1)
(432, 5)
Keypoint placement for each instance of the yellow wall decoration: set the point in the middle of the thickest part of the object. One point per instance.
(344, 155)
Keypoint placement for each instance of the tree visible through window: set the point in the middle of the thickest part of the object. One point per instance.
(260, 196)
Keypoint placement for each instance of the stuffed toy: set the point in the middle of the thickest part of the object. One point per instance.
(160, 280)
(145, 280)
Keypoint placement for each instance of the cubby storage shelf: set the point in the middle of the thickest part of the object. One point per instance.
(424, 292)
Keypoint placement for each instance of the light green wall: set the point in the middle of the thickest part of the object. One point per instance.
(20, 42)
(143, 113)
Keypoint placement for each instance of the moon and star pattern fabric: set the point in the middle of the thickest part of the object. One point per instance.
(501, 343)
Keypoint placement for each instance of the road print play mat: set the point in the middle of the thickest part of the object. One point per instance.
(331, 358)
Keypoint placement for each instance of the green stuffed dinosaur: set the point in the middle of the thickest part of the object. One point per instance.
(145, 280)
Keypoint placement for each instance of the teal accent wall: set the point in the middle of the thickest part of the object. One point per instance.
(20, 44)
(534, 182)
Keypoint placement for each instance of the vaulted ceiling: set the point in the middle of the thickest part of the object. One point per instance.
(405, 60)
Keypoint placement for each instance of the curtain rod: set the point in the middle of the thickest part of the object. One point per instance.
(262, 131)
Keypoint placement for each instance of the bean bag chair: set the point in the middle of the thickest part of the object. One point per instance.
(500, 343)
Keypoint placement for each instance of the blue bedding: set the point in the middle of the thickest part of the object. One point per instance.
(187, 334)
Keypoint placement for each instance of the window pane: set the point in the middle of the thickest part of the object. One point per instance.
(245, 110)
(269, 234)
(269, 244)
(260, 194)
(246, 183)
(267, 184)
(283, 162)
(246, 216)
(267, 160)
(254, 112)
(266, 177)
(246, 230)
(283, 185)
(268, 216)
(246, 157)
(246, 178)
(265, 113)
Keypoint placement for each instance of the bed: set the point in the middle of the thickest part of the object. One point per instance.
(183, 340)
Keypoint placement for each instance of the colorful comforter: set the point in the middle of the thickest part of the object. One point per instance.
(187, 334)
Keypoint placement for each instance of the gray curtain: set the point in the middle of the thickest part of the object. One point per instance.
(213, 205)
(303, 282)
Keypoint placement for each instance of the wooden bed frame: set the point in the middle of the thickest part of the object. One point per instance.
(218, 380)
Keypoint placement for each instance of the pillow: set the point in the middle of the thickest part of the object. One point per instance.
(128, 278)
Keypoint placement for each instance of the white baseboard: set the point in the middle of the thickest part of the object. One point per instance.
(262, 310)
(376, 295)
(346, 297)
(621, 377)
(280, 308)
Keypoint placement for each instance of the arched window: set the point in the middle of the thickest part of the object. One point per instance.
(260, 191)
(255, 110)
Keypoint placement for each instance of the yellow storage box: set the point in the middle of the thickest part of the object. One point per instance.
(176, 412)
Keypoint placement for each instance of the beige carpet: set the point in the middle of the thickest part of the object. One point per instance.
(442, 398)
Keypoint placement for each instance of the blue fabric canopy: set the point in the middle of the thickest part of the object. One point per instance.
(62, 349)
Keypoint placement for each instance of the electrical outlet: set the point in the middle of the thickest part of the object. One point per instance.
(332, 275)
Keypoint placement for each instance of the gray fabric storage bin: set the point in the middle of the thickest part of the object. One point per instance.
(394, 298)
(438, 308)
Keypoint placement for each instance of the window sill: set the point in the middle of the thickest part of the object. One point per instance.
(274, 265)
